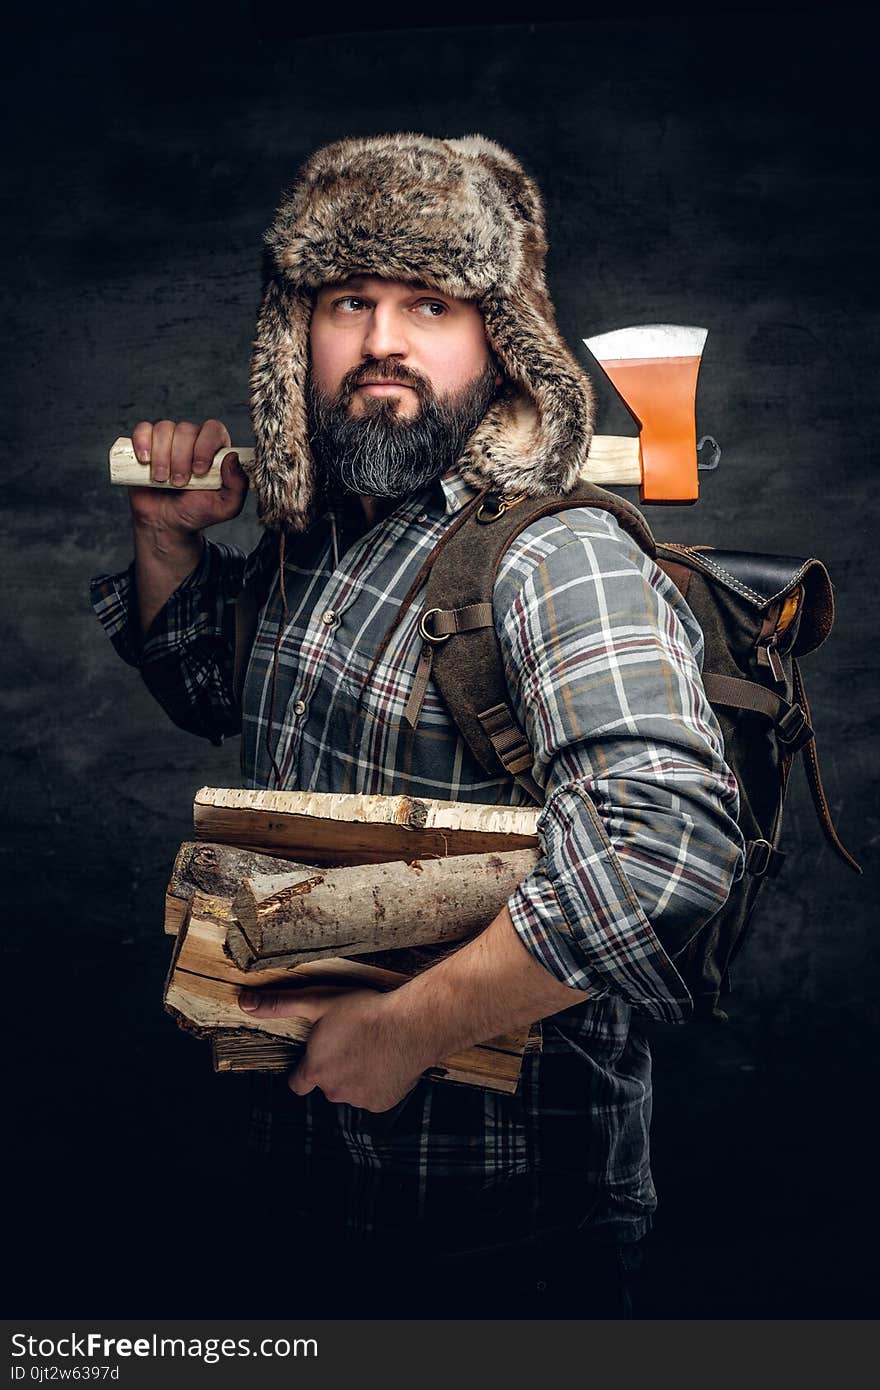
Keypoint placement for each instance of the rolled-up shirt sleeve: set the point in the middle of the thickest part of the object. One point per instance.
(186, 658)
(639, 838)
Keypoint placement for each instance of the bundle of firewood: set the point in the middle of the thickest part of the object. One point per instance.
(290, 889)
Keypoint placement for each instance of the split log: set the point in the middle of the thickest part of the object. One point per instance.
(336, 829)
(202, 994)
(235, 1052)
(285, 919)
(215, 870)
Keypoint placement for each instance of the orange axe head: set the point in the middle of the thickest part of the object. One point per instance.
(653, 368)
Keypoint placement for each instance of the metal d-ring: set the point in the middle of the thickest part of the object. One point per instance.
(505, 502)
(716, 454)
(486, 518)
(430, 636)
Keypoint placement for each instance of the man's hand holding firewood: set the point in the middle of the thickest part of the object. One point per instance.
(369, 1049)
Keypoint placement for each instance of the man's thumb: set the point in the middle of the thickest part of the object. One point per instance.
(232, 473)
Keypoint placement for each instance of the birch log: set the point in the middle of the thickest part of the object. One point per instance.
(285, 919)
(215, 870)
(336, 828)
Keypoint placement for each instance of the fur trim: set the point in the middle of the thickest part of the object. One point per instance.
(463, 217)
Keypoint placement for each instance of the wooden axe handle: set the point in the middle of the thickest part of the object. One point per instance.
(126, 471)
(613, 459)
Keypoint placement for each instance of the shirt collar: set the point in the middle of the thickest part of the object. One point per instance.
(450, 493)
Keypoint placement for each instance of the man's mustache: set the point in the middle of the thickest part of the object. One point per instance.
(387, 370)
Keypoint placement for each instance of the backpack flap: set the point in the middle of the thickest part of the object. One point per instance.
(757, 612)
(767, 581)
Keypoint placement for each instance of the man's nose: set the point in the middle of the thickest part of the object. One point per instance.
(385, 334)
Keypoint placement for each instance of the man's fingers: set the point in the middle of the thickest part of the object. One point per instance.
(142, 440)
(185, 436)
(292, 1003)
(160, 453)
(175, 451)
(298, 1083)
(211, 437)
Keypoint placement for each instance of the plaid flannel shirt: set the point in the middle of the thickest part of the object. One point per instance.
(638, 834)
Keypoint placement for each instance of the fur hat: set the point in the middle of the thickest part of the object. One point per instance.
(461, 216)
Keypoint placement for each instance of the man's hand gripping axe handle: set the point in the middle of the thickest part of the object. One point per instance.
(126, 471)
(653, 368)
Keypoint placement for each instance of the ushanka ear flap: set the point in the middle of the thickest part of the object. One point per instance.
(282, 472)
(535, 438)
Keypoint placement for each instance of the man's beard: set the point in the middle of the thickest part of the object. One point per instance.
(381, 453)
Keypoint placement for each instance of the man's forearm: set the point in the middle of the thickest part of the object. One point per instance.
(491, 985)
(370, 1049)
(163, 559)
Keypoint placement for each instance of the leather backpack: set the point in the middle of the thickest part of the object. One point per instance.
(758, 613)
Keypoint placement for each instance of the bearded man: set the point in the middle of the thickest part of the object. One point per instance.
(406, 358)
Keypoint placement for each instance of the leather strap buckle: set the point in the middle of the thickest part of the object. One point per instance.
(507, 738)
(793, 729)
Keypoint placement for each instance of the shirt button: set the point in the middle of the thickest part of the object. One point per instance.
(328, 617)
(424, 517)
(299, 707)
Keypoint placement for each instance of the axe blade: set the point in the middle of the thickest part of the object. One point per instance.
(653, 367)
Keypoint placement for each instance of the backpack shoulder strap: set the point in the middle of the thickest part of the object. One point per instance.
(458, 603)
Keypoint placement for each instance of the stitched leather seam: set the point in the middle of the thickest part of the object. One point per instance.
(744, 590)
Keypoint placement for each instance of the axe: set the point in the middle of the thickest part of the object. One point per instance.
(652, 367)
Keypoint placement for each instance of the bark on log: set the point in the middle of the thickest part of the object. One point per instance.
(342, 828)
(216, 870)
(285, 919)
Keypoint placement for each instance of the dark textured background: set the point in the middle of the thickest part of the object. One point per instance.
(702, 171)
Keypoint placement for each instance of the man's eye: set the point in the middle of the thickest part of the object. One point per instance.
(431, 308)
(349, 304)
